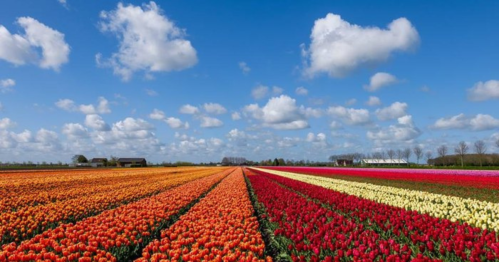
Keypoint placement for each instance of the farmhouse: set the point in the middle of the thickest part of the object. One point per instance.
(98, 162)
(131, 162)
(383, 162)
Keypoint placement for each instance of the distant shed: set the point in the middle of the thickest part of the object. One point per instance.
(131, 162)
(98, 162)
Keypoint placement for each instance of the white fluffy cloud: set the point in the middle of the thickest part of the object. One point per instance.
(351, 102)
(239, 137)
(338, 47)
(96, 122)
(176, 123)
(210, 122)
(311, 137)
(484, 91)
(311, 112)
(69, 105)
(66, 104)
(189, 109)
(259, 92)
(318, 141)
(455, 122)
(403, 131)
(23, 49)
(380, 80)
(301, 91)
(335, 125)
(129, 137)
(373, 101)
(133, 124)
(235, 116)
(7, 82)
(6, 85)
(244, 68)
(172, 122)
(47, 141)
(393, 111)
(149, 41)
(214, 108)
(101, 108)
(350, 116)
(478, 122)
(75, 131)
(6, 123)
(262, 91)
(279, 113)
(151, 92)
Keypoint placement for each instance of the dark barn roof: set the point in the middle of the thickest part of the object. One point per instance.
(98, 160)
(131, 159)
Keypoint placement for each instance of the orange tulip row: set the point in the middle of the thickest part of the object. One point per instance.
(221, 227)
(35, 188)
(115, 234)
(31, 220)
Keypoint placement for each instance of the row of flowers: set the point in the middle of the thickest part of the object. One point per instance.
(463, 191)
(312, 232)
(481, 214)
(114, 235)
(471, 178)
(37, 188)
(28, 221)
(221, 227)
(432, 236)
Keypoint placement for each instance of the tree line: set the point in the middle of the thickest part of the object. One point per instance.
(465, 154)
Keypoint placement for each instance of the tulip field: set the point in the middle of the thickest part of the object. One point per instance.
(249, 214)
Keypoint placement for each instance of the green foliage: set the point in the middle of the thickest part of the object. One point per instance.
(79, 159)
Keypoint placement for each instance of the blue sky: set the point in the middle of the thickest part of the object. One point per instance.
(199, 80)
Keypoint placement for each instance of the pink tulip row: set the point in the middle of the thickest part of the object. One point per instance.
(472, 178)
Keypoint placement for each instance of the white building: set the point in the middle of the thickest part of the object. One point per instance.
(383, 162)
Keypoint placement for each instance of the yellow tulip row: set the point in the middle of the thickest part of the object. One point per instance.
(477, 213)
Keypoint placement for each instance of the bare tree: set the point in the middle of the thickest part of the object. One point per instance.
(400, 154)
(461, 150)
(480, 150)
(428, 156)
(407, 154)
(442, 152)
(390, 153)
(377, 156)
(418, 152)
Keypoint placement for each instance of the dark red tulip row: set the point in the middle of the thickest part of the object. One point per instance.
(316, 233)
(472, 179)
(114, 235)
(431, 236)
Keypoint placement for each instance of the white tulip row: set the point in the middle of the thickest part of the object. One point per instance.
(477, 213)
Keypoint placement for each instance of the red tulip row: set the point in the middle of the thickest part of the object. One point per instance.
(315, 233)
(221, 227)
(431, 236)
(29, 221)
(114, 235)
(471, 180)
